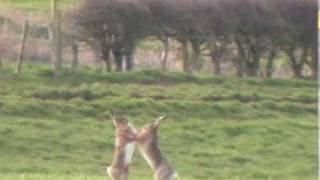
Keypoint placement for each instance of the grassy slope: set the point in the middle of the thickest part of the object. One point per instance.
(35, 6)
(218, 128)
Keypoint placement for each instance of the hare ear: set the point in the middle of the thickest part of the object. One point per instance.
(112, 116)
(115, 122)
(158, 121)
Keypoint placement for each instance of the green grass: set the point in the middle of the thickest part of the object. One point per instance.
(218, 128)
(35, 6)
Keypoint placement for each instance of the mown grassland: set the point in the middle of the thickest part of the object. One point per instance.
(218, 128)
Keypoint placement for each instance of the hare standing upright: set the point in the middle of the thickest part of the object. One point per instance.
(124, 148)
(147, 141)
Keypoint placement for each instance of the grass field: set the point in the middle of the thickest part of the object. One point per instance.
(218, 128)
(35, 6)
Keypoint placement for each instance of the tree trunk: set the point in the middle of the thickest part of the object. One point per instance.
(185, 56)
(252, 60)
(22, 46)
(295, 66)
(313, 63)
(108, 67)
(216, 61)
(129, 61)
(128, 55)
(297, 70)
(118, 60)
(165, 54)
(118, 52)
(75, 55)
(195, 63)
(106, 58)
(271, 57)
(250, 70)
(252, 66)
(216, 65)
(239, 61)
(216, 54)
(105, 51)
(96, 48)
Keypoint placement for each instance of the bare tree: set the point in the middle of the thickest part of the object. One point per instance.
(257, 29)
(298, 33)
(117, 25)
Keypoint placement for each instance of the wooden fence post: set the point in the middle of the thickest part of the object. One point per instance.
(1, 65)
(55, 36)
(22, 46)
(59, 44)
